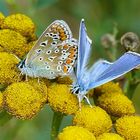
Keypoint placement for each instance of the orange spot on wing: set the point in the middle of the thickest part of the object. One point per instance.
(63, 38)
(65, 69)
(68, 61)
(65, 47)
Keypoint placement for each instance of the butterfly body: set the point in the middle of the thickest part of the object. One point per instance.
(102, 71)
(53, 55)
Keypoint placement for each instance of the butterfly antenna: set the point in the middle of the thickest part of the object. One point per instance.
(88, 101)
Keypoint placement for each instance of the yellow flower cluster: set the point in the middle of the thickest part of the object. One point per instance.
(8, 69)
(61, 100)
(1, 101)
(1, 19)
(116, 104)
(16, 32)
(129, 127)
(95, 119)
(110, 136)
(19, 23)
(108, 88)
(75, 133)
(24, 101)
(112, 99)
(64, 80)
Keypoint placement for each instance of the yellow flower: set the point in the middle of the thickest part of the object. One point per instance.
(32, 38)
(116, 104)
(110, 136)
(1, 19)
(64, 80)
(23, 101)
(61, 100)
(129, 127)
(2, 49)
(108, 88)
(75, 133)
(30, 46)
(8, 69)
(39, 86)
(94, 119)
(13, 42)
(19, 23)
(1, 101)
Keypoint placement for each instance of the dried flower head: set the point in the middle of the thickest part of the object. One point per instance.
(116, 104)
(8, 69)
(129, 127)
(108, 40)
(130, 41)
(19, 23)
(61, 99)
(110, 136)
(95, 119)
(75, 133)
(14, 42)
(23, 101)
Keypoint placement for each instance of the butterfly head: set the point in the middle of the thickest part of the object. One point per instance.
(21, 64)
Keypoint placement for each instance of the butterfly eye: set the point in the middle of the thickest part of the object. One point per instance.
(38, 50)
(58, 68)
(40, 58)
(47, 34)
(63, 51)
(54, 43)
(63, 58)
(43, 44)
(48, 52)
(47, 67)
(51, 34)
(51, 72)
(60, 62)
(56, 51)
(74, 47)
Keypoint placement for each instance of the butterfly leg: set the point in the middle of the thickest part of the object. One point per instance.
(88, 100)
(79, 101)
(38, 80)
(19, 77)
(26, 78)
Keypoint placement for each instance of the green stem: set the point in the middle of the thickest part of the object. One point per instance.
(131, 90)
(57, 119)
(130, 85)
(4, 117)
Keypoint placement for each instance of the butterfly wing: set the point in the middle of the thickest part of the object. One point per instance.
(98, 68)
(55, 33)
(124, 64)
(84, 48)
(54, 53)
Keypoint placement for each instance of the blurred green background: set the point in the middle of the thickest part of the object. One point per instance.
(99, 15)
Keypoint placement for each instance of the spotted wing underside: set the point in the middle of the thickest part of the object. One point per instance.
(55, 52)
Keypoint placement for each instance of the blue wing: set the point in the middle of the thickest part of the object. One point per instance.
(124, 64)
(84, 48)
(98, 68)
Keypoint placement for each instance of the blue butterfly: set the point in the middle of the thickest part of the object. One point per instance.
(102, 71)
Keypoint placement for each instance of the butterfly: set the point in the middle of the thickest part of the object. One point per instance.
(102, 71)
(53, 55)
